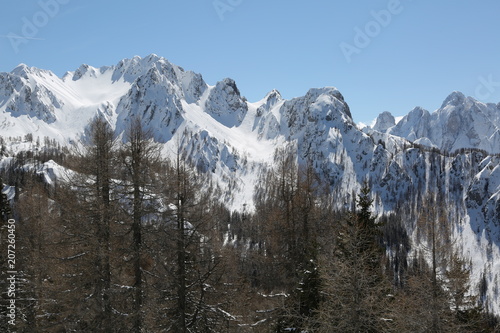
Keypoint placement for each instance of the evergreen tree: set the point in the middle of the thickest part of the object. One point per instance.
(5, 210)
(355, 287)
(305, 296)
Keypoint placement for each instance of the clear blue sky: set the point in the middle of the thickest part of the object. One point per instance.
(416, 55)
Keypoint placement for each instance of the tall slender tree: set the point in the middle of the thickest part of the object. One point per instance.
(189, 267)
(95, 185)
(35, 239)
(462, 300)
(434, 228)
(140, 157)
(277, 208)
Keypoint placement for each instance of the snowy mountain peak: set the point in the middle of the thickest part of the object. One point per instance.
(84, 70)
(225, 103)
(151, 58)
(271, 99)
(454, 99)
(329, 95)
(24, 71)
(230, 83)
(313, 93)
(21, 70)
(273, 95)
(384, 121)
(190, 85)
(418, 111)
(130, 69)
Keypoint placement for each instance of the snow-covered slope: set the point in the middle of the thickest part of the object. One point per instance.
(234, 140)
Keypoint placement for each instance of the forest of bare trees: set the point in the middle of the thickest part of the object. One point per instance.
(130, 241)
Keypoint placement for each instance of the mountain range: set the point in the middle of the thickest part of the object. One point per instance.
(460, 122)
(451, 152)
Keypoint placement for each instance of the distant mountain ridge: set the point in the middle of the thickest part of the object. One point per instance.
(234, 140)
(460, 122)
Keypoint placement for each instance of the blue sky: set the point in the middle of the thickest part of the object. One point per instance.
(385, 55)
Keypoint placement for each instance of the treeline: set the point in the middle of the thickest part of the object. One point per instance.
(131, 242)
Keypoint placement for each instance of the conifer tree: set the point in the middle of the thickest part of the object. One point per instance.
(5, 210)
(355, 287)
(304, 298)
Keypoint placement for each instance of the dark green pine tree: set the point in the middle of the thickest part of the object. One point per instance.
(354, 286)
(4, 205)
(364, 206)
(370, 235)
(304, 300)
(300, 309)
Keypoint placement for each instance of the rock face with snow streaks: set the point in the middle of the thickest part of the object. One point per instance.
(225, 104)
(460, 122)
